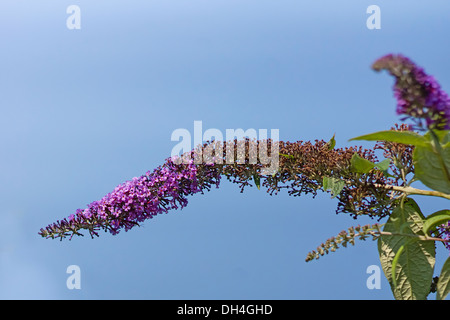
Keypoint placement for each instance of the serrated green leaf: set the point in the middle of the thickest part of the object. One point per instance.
(394, 264)
(414, 260)
(404, 137)
(435, 219)
(443, 285)
(395, 261)
(361, 165)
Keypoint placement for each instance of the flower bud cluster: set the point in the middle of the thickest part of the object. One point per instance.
(344, 238)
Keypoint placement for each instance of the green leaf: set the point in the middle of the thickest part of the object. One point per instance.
(337, 188)
(257, 179)
(384, 165)
(443, 285)
(413, 260)
(432, 163)
(332, 143)
(404, 137)
(396, 258)
(325, 183)
(361, 165)
(442, 135)
(435, 219)
(334, 184)
(289, 156)
(394, 264)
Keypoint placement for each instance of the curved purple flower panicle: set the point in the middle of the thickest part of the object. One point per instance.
(419, 96)
(138, 199)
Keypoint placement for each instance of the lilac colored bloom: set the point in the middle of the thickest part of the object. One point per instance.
(169, 185)
(444, 231)
(136, 200)
(419, 96)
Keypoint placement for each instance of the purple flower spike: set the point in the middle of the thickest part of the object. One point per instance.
(137, 200)
(419, 96)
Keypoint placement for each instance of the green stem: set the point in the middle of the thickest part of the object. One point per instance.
(385, 233)
(411, 190)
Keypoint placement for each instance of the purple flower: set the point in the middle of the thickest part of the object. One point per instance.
(419, 96)
(444, 231)
(137, 200)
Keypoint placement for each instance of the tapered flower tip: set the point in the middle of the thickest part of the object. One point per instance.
(419, 96)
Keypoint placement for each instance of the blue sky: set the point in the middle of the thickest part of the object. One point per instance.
(85, 110)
